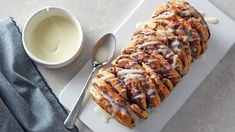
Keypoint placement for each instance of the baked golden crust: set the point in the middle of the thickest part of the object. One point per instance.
(156, 62)
(190, 14)
(110, 78)
(159, 53)
(124, 117)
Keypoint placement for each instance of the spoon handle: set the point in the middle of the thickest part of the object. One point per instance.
(70, 120)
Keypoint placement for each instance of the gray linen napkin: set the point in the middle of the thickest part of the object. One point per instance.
(26, 101)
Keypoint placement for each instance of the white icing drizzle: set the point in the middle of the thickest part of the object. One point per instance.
(131, 63)
(163, 49)
(145, 33)
(178, 2)
(169, 55)
(161, 32)
(170, 76)
(104, 78)
(95, 95)
(150, 91)
(113, 103)
(185, 13)
(194, 49)
(188, 36)
(149, 43)
(139, 96)
(185, 38)
(170, 30)
(130, 75)
(137, 56)
(165, 14)
(128, 71)
(176, 49)
(212, 20)
(151, 60)
(175, 57)
(136, 90)
(123, 90)
(123, 111)
(164, 32)
(106, 116)
(175, 45)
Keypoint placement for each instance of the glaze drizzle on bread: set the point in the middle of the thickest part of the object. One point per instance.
(159, 54)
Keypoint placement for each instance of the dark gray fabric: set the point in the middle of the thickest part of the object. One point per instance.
(26, 101)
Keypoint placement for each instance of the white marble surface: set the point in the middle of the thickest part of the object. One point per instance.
(210, 108)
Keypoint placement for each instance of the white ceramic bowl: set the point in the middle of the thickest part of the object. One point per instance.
(40, 16)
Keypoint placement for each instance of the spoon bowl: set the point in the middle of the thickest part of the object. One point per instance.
(104, 49)
(102, 54)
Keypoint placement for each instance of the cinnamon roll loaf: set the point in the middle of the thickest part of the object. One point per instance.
(159, 54)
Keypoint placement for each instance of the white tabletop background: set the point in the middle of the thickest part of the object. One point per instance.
(211, 108)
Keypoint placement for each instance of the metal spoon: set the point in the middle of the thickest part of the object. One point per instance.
(102, 54)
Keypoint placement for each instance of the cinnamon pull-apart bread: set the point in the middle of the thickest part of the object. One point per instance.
(159, 54)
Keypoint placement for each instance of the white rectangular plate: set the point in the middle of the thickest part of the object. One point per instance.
(221, 41)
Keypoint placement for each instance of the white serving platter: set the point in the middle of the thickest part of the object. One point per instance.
(220, 42)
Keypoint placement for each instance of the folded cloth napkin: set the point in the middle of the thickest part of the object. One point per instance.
(26, 101)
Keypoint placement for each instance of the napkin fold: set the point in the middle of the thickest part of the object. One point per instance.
(26, 101)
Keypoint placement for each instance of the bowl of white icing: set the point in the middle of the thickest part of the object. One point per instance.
(52, 37)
